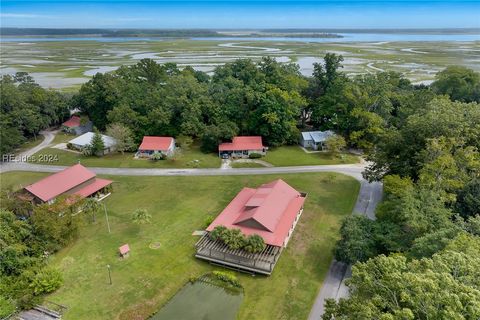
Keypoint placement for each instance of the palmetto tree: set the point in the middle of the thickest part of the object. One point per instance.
(141, 216)
(91, 207)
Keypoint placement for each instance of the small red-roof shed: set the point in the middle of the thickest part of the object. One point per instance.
(73, 122)
(156, 143)
(124, 250)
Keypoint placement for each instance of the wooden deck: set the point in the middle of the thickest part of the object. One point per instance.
(219, 253)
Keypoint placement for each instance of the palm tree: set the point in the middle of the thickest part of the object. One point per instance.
(141, 216)
(91, 207)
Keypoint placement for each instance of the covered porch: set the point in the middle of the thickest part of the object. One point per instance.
(219, 253)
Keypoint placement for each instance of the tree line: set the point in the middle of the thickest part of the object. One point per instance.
(266, 98)
(26, 108)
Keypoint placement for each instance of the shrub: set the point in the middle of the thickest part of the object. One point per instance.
(335, 144)
(217, 233)
(87, 151)
(46, 281)
(208, 220)
(234, 239)
(254, 155)
(70, 146)
(227, 277)
(254, 243)
(7, 307)
(158, 156)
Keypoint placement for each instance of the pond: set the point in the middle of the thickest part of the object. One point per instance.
(201, 301)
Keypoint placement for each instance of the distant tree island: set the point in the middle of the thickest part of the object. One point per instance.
(162, 33)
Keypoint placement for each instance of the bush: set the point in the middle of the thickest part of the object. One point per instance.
(254, 243)
(208, 220)
(335, 144)
(234, 239)
(217, 233)
(46, 281)
(7, 307)
(227, 277)
(70, 146)
(158, 156)
(254, 155)
(87, 151)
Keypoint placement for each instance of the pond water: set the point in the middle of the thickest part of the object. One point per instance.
(201, 301)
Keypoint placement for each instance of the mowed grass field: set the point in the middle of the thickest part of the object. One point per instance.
(147, 279)
(295, 156)
(192, 158)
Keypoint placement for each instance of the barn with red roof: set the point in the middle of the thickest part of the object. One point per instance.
(242, 147)
(76, 181)
(151, 145)
(76, 125)
(270, 211)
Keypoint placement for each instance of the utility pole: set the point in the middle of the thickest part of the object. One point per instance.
(109, 273)
(106, 216)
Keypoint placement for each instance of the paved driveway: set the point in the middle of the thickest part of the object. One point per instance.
(48, 137)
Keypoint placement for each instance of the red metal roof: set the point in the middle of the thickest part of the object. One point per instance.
(155, 143)
(242, 143)
(269, 211)
(96, 185)
(73, 122)
(124, 249)
(61, 182)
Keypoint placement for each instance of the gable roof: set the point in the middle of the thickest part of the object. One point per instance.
(242, 143)
(66, 180)
(317, 136)
(268, 211)
(73, 122)
(86, 139)
(60, 182)
(155, 143)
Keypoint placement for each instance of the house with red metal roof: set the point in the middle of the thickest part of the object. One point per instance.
(270, 211)
(151, 145)
(76, 181)
(75, 126)
(242, 147)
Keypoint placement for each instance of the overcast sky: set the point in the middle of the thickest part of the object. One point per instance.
(241, 14)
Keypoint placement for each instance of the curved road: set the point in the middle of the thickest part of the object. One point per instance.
(333, 286)
(48, 137)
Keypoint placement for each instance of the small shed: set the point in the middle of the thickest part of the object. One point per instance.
(124, 250)
(315, 139)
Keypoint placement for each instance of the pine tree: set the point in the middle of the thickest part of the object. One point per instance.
(97, 145)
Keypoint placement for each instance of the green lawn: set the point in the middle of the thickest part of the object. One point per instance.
(62, 137)
(179, 205)
(184, 160)
(246, 165)
(30, 143)
(295, 156)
